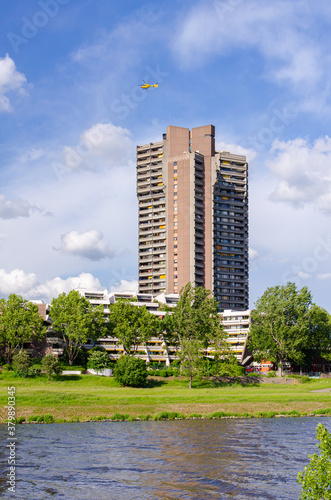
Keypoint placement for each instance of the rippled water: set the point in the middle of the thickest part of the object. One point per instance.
(199, 459)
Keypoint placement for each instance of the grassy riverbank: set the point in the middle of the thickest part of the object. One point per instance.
(89, 397)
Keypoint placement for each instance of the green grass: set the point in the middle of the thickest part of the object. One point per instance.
(87, 397)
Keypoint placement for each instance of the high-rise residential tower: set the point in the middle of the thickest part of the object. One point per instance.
(193, 216)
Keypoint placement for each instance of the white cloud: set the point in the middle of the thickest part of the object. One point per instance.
(10, 80)
(324, 276)
(29, 286)
(53, 288)
(274, 29)
(5, 105)
(125, 286)
(302, 275)
(31, 155)
(101, 146)
(303, 171)
(235, 149)
(16, 281)
(253, 254)
(11, 209)
(88, 245)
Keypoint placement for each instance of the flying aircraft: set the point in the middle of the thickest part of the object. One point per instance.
(148, 86)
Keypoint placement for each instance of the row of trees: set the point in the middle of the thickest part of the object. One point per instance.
(193, 326)
(286, 326)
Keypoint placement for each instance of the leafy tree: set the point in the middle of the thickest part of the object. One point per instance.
(131, 325)
(20, 322)
(22, 363)
(197, 326)
(77, 320)
(98, 360)
(287, 326)
(130, 371)
(315, 479)
(51, 364)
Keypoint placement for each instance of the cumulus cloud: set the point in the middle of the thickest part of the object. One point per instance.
(10, 80)
(253, 254)
(125, 286)
(88, 245)
(53, 288)
(16, 281)
(236, 149)
(303, 171)
(324, 276)
(29, 286)
(101, 146)
(11, 209)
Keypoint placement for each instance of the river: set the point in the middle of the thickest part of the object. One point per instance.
(188, 459)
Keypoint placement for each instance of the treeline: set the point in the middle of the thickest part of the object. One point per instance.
(194, 328)
(286, 327)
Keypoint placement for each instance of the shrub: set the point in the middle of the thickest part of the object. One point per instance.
(7, 367)
(119, 416)
(315, 479)
(98, 360)
(271, 374)
(48, 419)
(130, 371)
(33, 418)
(167, 415)
(21, 364)
(51, 364)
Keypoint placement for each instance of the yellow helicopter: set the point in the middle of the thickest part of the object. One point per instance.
(148, 86)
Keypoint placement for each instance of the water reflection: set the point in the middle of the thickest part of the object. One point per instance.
(199, 459)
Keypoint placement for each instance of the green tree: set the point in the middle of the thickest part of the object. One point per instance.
(287, 326)
(98, 360)
(22, 363)
(315, 479)
(130, 371)
(132, 325)
(77, 320)
(197, 326)
(20, 322)
(51, 364)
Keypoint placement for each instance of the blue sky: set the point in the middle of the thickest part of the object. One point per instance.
(72, 112)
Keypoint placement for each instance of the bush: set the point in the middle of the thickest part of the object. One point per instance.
(98, 360)
(22, 363)
(51, 364)
(271, 374)
(131, 371)
(7, 367)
